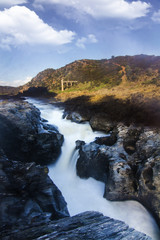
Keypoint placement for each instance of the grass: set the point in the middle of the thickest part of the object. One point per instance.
(97, 93)
(128, 102)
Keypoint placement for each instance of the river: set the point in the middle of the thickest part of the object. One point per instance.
(85, 195)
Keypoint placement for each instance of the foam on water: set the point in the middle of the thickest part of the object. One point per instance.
(84, 195)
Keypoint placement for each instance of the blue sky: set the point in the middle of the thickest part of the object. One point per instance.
(40, 34)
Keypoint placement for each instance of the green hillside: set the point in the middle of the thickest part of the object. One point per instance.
(101, 73)
(127, 88)
(94, 72)
(129, 72)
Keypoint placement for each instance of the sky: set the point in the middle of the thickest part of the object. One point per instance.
(40, 34)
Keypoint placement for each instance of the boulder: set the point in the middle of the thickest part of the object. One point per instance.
(148, 144)
(48, 127)
(75, 117)
(101, 122)
(149, 187)
(121, 183)
(129, 168)
(88, 225)
(46, 149)
(109, 140)
(25, 137)
(94, 158)
(132, 136)
(138, 176)
(148, 171)
(27, 194)
(79, 144)
(92, 161)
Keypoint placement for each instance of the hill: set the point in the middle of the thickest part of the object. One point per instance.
(137, 72)
(127, 88)
(94, 72)
(118, 76)
(7, 90)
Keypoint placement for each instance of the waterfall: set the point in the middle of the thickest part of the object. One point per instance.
(84, 195)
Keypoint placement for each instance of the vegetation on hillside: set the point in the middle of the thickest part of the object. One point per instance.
(127, 88)
(107, 73)
(134, 110)
(6, 90)
(95, 72)
(93, 75)
(141, 68)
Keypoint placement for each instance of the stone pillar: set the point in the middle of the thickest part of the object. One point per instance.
(62, 86)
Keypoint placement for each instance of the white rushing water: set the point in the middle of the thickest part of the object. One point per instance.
(84, 195)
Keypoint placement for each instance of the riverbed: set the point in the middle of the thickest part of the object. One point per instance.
(85, 195)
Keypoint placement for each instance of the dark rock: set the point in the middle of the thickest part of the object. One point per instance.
(148, 153)
(148, 144)
(121, 183)
(132, 136)
(101, 122)
(27, 194)
(47, 147)
(36, 92)
(108, 140)
(92, 162)
(49, 127)
(44, 120)
(25, 137)
(88, 225)
(94, 158)
(127, 175)
(104, 164)
(75, 117)
(137, 177)
(149, 187)
(79, 144)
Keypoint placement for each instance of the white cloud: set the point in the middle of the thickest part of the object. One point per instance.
(16, 82)
(156, 16)
(19, 25)
(9, 3)
(81, 42)
(105, 8)
(92, 38)
(3, 83)
(20, 82)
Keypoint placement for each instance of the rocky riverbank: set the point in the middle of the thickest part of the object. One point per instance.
(30, 203)
(27, 194)
(25, 136)
(128, 159)
(135, 109)
(128, 162)
(88, 226)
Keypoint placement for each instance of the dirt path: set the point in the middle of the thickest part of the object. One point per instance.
(124, 77)
(122, 71)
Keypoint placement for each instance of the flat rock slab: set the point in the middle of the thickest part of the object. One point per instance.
(84, 226)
